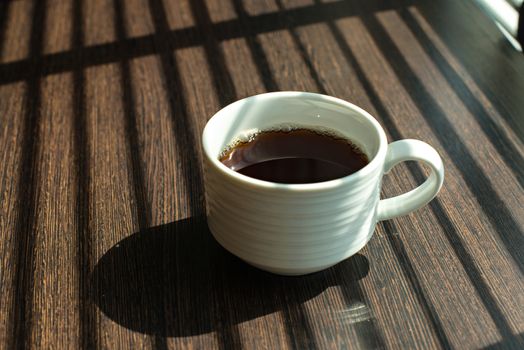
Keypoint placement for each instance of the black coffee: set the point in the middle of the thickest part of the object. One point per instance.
(295, 157)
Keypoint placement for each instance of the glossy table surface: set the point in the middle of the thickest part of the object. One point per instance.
(103, 239)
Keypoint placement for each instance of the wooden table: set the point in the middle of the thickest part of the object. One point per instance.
(103, 241)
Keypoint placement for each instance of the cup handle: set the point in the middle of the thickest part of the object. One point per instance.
(401, 151)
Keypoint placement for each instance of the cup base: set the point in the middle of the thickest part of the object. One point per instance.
(290, 272)
(298, 271)
(302, 271)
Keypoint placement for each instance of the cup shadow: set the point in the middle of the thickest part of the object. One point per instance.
(176, 280)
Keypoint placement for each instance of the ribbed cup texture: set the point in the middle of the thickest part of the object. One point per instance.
(289, 230)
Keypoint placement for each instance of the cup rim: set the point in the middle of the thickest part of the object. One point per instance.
(313, 186)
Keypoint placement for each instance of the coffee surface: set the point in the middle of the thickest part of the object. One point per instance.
(295, 157)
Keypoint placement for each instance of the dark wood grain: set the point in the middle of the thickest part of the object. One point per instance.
(104, 242)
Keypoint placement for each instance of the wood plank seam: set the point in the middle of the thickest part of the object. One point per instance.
(28, 191)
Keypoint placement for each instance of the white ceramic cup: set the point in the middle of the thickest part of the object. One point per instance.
(294, 229)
